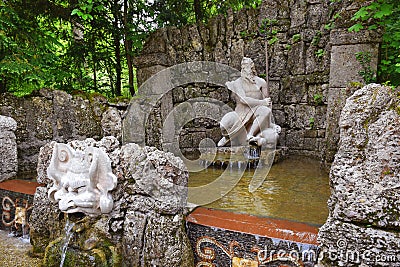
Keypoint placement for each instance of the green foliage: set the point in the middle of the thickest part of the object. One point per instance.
(311, 122)
(367, 73)
(87, 45)
(355, 84)
(317, 38)
(318, 99)
(385, 15)
(320, 53)
(178, 13)
(266, 29)
(329, 26)
(26, 52)
(296, 38)
(246, 34)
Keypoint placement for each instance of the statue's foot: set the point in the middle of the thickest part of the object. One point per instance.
(250, 137)
(223, 141)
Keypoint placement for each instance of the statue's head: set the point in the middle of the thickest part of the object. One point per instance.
(248, 69)
(81, 179)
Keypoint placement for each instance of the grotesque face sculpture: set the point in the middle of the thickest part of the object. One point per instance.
(81, 180)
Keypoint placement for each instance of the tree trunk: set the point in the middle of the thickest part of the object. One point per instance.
(94, 75)
(3, 85)
(197, 10)
(128, 49)
(117, 50)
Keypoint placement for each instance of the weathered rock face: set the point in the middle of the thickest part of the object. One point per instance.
(146, 225)
(49, 115)
(8, 148)
(365, 182)
(111, 123)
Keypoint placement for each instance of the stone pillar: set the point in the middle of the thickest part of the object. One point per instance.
(344, 74)
(8, 148)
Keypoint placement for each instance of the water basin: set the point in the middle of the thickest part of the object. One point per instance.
(295, 189)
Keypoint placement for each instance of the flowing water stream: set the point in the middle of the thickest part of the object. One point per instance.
(295, 189)
(68, 235)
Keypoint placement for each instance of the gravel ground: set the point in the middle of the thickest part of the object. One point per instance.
(14, 252)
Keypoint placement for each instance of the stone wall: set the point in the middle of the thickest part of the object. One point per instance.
(306, 73)
(50, 115)
(363, 225)
(8, 148)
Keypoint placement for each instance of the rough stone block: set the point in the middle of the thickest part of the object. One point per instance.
(344, 37)
(293, 91)
(344, 65)
(298, 11)
(308, 133)
(310, 144)
(317, 15)
(297, 58)
(299, 116)
(8, 148)
(295, 139)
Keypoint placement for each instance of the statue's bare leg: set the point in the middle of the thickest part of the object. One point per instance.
(261, 122)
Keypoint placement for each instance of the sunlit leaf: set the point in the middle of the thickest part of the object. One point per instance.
(360, 14)
(356, 27)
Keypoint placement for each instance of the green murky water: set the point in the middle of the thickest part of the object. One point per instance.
(295, 189)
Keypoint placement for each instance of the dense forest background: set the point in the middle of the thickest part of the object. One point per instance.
(89, 45)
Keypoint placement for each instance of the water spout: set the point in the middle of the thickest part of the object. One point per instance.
(68, 235)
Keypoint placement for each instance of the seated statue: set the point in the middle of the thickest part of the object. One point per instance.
(252, 121)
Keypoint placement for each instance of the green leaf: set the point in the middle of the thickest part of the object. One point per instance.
(75, 11)
(385, 10)
(373, 6)
(356, 27)
(360, 14)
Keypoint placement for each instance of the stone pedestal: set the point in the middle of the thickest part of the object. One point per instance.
(240, 156)
(8, 148)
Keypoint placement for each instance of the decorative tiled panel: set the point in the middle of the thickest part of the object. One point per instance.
(16, 198)
(220, 240)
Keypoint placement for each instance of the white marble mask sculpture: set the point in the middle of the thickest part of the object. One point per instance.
(81, 180)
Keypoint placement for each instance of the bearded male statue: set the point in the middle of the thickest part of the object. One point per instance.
(252, 120)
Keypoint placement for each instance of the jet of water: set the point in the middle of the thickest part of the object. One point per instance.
(68, 235)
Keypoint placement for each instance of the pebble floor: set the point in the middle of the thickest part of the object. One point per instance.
(14, 252)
